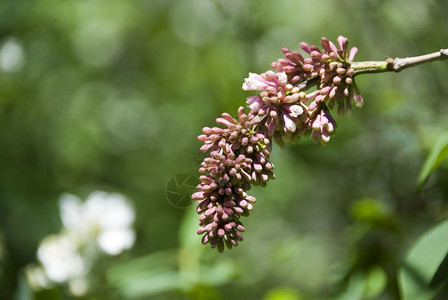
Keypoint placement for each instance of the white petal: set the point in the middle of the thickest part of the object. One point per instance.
(78, 286)
(113, 242)
(289, 124)
(117, 213)
(254, 83)
(71, 211)
(37, 278)
(109, 210)
(296, 110)
(282, 77)
(60, 259)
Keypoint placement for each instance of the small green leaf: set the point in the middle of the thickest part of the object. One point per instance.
(437, 155)
(371, 210)
(355, 288)
(282, 293)
(375, 282)
(422, 275)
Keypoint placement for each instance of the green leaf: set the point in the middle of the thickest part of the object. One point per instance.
(375, 282)
(150, 283)
(367, 209)
(149, 275)
(166, 259)
(423, 272)
(220, 273)
(282, 293)
(355, 288)
(437, 155)
(188, 238)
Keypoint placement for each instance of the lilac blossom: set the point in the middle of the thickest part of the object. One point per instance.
(237, 159)
(296, 66)
(278, 107)
(267, 81)
(337, 84)
(323, 125)
(238, 152)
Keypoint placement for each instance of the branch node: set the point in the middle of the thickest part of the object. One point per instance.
(390, 63)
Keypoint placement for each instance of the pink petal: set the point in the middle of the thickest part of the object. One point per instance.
(352, 53)
(333, 47)
(343, 42)
(305, 47)
(325, 44)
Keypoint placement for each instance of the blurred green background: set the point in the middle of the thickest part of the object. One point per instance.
(110, 95)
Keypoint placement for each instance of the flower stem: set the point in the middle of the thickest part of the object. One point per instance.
(397, 64)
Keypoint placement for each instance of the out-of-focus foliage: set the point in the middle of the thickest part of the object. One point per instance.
(434, 159)
(424, 271)
(110, 95)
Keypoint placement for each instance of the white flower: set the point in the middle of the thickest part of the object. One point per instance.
(36, 277)
(78, 286)
(111, 211)
(72, 215)
(105, 218)
(104, 221)
(113, 242)
(60, 259)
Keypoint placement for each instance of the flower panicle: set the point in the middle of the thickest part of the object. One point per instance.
(330, 67)
(238, 157)
(239, 149)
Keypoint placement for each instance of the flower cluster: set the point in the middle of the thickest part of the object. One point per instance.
(238, 153)
(101, 224)
(278, 107)
(336, 76)
(238, 158)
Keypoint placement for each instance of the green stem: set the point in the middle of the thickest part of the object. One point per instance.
(370, 67)
(397, 64)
